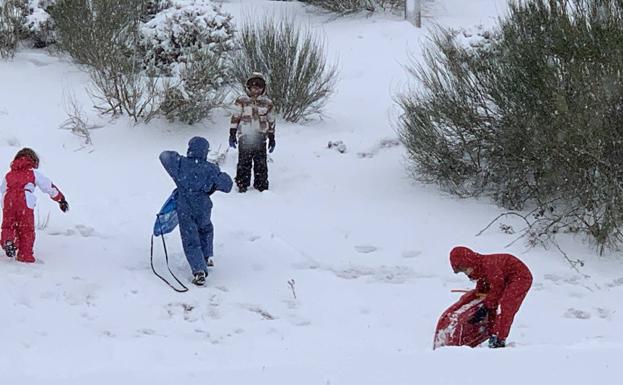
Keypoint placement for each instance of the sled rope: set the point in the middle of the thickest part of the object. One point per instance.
(166, 257)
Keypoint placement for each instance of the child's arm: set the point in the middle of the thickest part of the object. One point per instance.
(270, 118)
(2, 191)
(223, 182)
(171, 162)
(48, 187)
(236, 116)
(270, 131)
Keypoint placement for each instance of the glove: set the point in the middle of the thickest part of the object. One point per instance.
(479, 316)
(271, 143)
(212, 190)
(232, 138)
(63, 205)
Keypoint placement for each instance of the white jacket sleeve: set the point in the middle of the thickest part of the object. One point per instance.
(46, 185)
(2, 190)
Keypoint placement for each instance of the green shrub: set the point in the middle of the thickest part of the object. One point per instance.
(530, 116)
(293, 60)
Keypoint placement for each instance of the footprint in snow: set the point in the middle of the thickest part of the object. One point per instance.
(552, 277)
(615, 283)
(81, 230)
(181, 308)
(411, 254)
(576, 313)
(366, 249)
(257, 309)
(250, 237)
(224, 289)
(11, 141)
(384, 274)
(604, 313)
(146, 332)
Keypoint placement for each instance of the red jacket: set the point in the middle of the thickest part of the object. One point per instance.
(494, 272)
(20, 182)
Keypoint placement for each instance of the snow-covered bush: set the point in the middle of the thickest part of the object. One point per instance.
(198, 90)
(184, 28)
(351, 6)
(11, 16)
(293, 59)
(39, 24)
(190, 42)
(529, 115)
(152, 7)
(26, 20)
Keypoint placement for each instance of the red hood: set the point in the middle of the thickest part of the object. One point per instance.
(22, 163)
(462, 257)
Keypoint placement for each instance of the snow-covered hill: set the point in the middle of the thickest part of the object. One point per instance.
(365, 246)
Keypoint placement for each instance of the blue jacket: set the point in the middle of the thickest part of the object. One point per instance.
(196, 179)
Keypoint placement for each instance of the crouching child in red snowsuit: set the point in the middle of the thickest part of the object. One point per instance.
(505, 281)
(18, 203)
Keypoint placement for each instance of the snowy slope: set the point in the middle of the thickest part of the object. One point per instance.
(366, 247)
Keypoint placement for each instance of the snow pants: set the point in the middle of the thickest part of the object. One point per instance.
(193, 212)
(18, 225)
(510, 302)
(252, 156)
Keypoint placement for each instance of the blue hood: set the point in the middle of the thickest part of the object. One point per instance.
(198, 148)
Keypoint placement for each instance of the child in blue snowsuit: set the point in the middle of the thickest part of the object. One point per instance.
(196, 179)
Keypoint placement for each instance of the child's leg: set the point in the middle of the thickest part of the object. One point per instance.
(509, 305)
(243, 171)
(260, 168)
(26, 236)
(206, 236)
(9, 225)
(191, 243)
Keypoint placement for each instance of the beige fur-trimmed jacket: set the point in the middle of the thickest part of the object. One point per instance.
(253, 116)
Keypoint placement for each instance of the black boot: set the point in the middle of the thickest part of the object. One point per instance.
(200, 278)
(10, 249)
(495, 342)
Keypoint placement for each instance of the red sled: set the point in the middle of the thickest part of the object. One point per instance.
(454, 329)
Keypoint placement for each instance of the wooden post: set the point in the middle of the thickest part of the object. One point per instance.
(413, 12)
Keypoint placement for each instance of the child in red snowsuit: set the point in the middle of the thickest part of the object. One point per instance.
(503, 278)
(18, 203)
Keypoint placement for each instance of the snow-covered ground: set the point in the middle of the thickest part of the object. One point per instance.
(366, 247)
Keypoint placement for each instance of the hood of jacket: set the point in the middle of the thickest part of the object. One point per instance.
(23, 163)
(462, 258)
(255, 75)
(198, 148)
